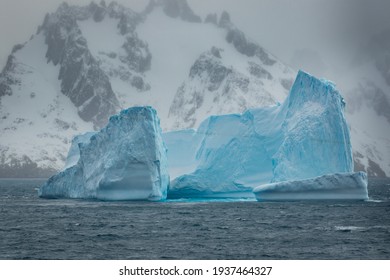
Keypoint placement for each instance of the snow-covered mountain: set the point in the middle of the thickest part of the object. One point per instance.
(87, 63)
(368, 106)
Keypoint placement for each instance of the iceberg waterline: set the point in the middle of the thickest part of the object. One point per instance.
(305, 137)
(332, 186)
(126, 160)
(226, 157)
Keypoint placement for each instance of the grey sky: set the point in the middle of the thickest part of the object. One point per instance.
(329, 27)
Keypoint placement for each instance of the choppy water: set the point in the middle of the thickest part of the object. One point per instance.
(34, 228)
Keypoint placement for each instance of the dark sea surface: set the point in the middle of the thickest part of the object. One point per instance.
(34, 228)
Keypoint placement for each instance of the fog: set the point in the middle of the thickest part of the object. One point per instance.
(319, 36)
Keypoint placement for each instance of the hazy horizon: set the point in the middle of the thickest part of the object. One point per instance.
(318, 36)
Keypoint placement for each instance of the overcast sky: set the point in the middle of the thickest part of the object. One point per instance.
(326, 29)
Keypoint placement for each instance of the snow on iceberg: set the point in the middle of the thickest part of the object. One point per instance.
(229, 155)
(74, 151)
(331, 186)
(126, 160)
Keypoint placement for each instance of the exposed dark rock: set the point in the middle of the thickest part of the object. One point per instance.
(259, 72)
(24, 168)
(138, 55)
(217, 80)
(287, 83)
(17, 47)
(238, 39)
(62, 124)
(224, 20)
(212, 18)
(139, 83)
(264, 57)
(127, 24)
(98, 11)
(174, 9)
(7, 78)
(216, 52)
(246, 47)
(180, 8)
(82, 80)
(5, 89)
(215, 72)
(195, 102)
(373, 170)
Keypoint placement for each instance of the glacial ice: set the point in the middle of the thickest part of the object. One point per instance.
(331, 186)
(74, 151)
(296, 150)
(126, 160)
(229, 155)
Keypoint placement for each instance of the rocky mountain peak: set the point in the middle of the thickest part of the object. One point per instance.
(224, 20)
(87, 62)
(174, 9)
(82, 80)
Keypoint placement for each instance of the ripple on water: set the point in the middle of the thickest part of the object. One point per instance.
(349, 228)
(33, 228)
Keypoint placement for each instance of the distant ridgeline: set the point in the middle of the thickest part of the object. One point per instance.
(24, 168)
(227, 157)
(87, 63)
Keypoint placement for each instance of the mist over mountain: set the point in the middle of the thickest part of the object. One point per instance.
(86, 63)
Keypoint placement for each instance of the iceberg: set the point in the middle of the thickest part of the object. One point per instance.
(74, 151)
(228, 156)
(331, 186)
(126, 160)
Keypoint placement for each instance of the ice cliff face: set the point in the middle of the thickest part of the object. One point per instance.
(126, 160)
(316, 136)
(74, 151)
(305, 137)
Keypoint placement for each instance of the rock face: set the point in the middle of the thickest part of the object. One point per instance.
(82, 80)
(126, 160)
(307, 136)
(215, 87)
(175, 9)
(86, 63)
(332, 186)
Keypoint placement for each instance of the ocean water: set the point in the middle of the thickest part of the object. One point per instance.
(34, 228)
